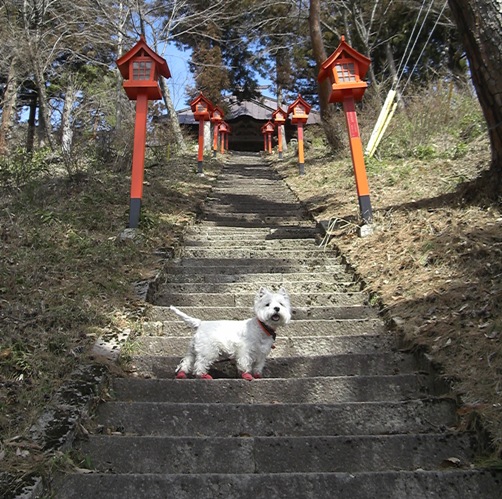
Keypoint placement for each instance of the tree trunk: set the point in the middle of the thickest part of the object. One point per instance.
(479, 23)
(44, 123)
(8, 108)
(30, 136)
(173, 117)
(67, 127)
(327, 111)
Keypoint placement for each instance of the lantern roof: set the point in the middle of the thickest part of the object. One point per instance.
(344, 50)
(279, 114)
(268, 127)
(217, 109)
(224, 127)
(300, 101)
(142, 49)
(203, 99)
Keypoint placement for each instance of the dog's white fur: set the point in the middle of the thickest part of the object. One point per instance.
(246, 341)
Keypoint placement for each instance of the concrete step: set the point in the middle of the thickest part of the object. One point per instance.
(237, 242)
(157, 454)
(252, 222)
(298, 313)
(284, 346)
(252, 266)
(239, 420)
(445, 484)
(273, 391)
(388, 363)
(226, 203)
(277, 255)
(265, 233)
(252, 219)
(260, 251)
(214, 298)
(326, 282)
(162, 321)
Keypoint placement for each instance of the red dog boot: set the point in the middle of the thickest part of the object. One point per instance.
(247, 376)
(205, 376)
(181, 375)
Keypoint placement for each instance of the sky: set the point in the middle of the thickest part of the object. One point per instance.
(177, 61)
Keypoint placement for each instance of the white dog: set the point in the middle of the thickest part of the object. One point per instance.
(248, 341)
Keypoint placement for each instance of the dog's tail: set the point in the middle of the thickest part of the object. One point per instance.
(191, 321)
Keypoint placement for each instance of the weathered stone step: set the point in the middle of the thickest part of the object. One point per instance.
(214, 298)
(285, 346)
(354, 364)
(336, 279)
(276, 245)
(276, 255)
(266, 233)
(330, 334)
(247, 189)
(155, 454)
(236, 218)
(298, 313)
(271, 391)
(327, 282)
(445, 484)
(283, 211)
(221, 420)
(269, 222)
(252, 265)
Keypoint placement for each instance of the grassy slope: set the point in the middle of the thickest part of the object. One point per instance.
(66, 279)
(434, 261)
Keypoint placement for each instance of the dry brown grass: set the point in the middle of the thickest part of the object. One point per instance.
(65, 279)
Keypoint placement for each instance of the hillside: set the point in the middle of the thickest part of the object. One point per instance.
(433, 264)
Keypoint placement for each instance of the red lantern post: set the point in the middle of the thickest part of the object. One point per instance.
(141, 68)
(267, 130)
(299, 111)
(345, 67)
(216, 119)
(279, 118)
(224, 129)
(201, 108)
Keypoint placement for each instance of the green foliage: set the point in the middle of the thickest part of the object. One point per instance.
(22, 166)
(437, 122)
(65, 275)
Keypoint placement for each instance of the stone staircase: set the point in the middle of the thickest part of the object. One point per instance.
(341, 412)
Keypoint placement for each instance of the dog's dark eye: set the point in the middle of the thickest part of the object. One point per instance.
(268, 304)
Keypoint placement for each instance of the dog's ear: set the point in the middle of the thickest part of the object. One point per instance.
(261, 292)
(284, 293)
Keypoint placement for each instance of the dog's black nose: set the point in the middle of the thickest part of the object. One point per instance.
(276, 309)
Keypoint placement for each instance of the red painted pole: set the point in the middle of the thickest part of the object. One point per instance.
(138, 160)
(356, 150)
(215, 139)
(269, 138)
(301, 159)
(279, 139)
(200, 156)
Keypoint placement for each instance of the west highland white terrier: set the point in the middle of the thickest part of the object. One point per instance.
(248, 341)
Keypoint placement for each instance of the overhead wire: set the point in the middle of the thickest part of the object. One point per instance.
(402, 67)
(425, 45)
